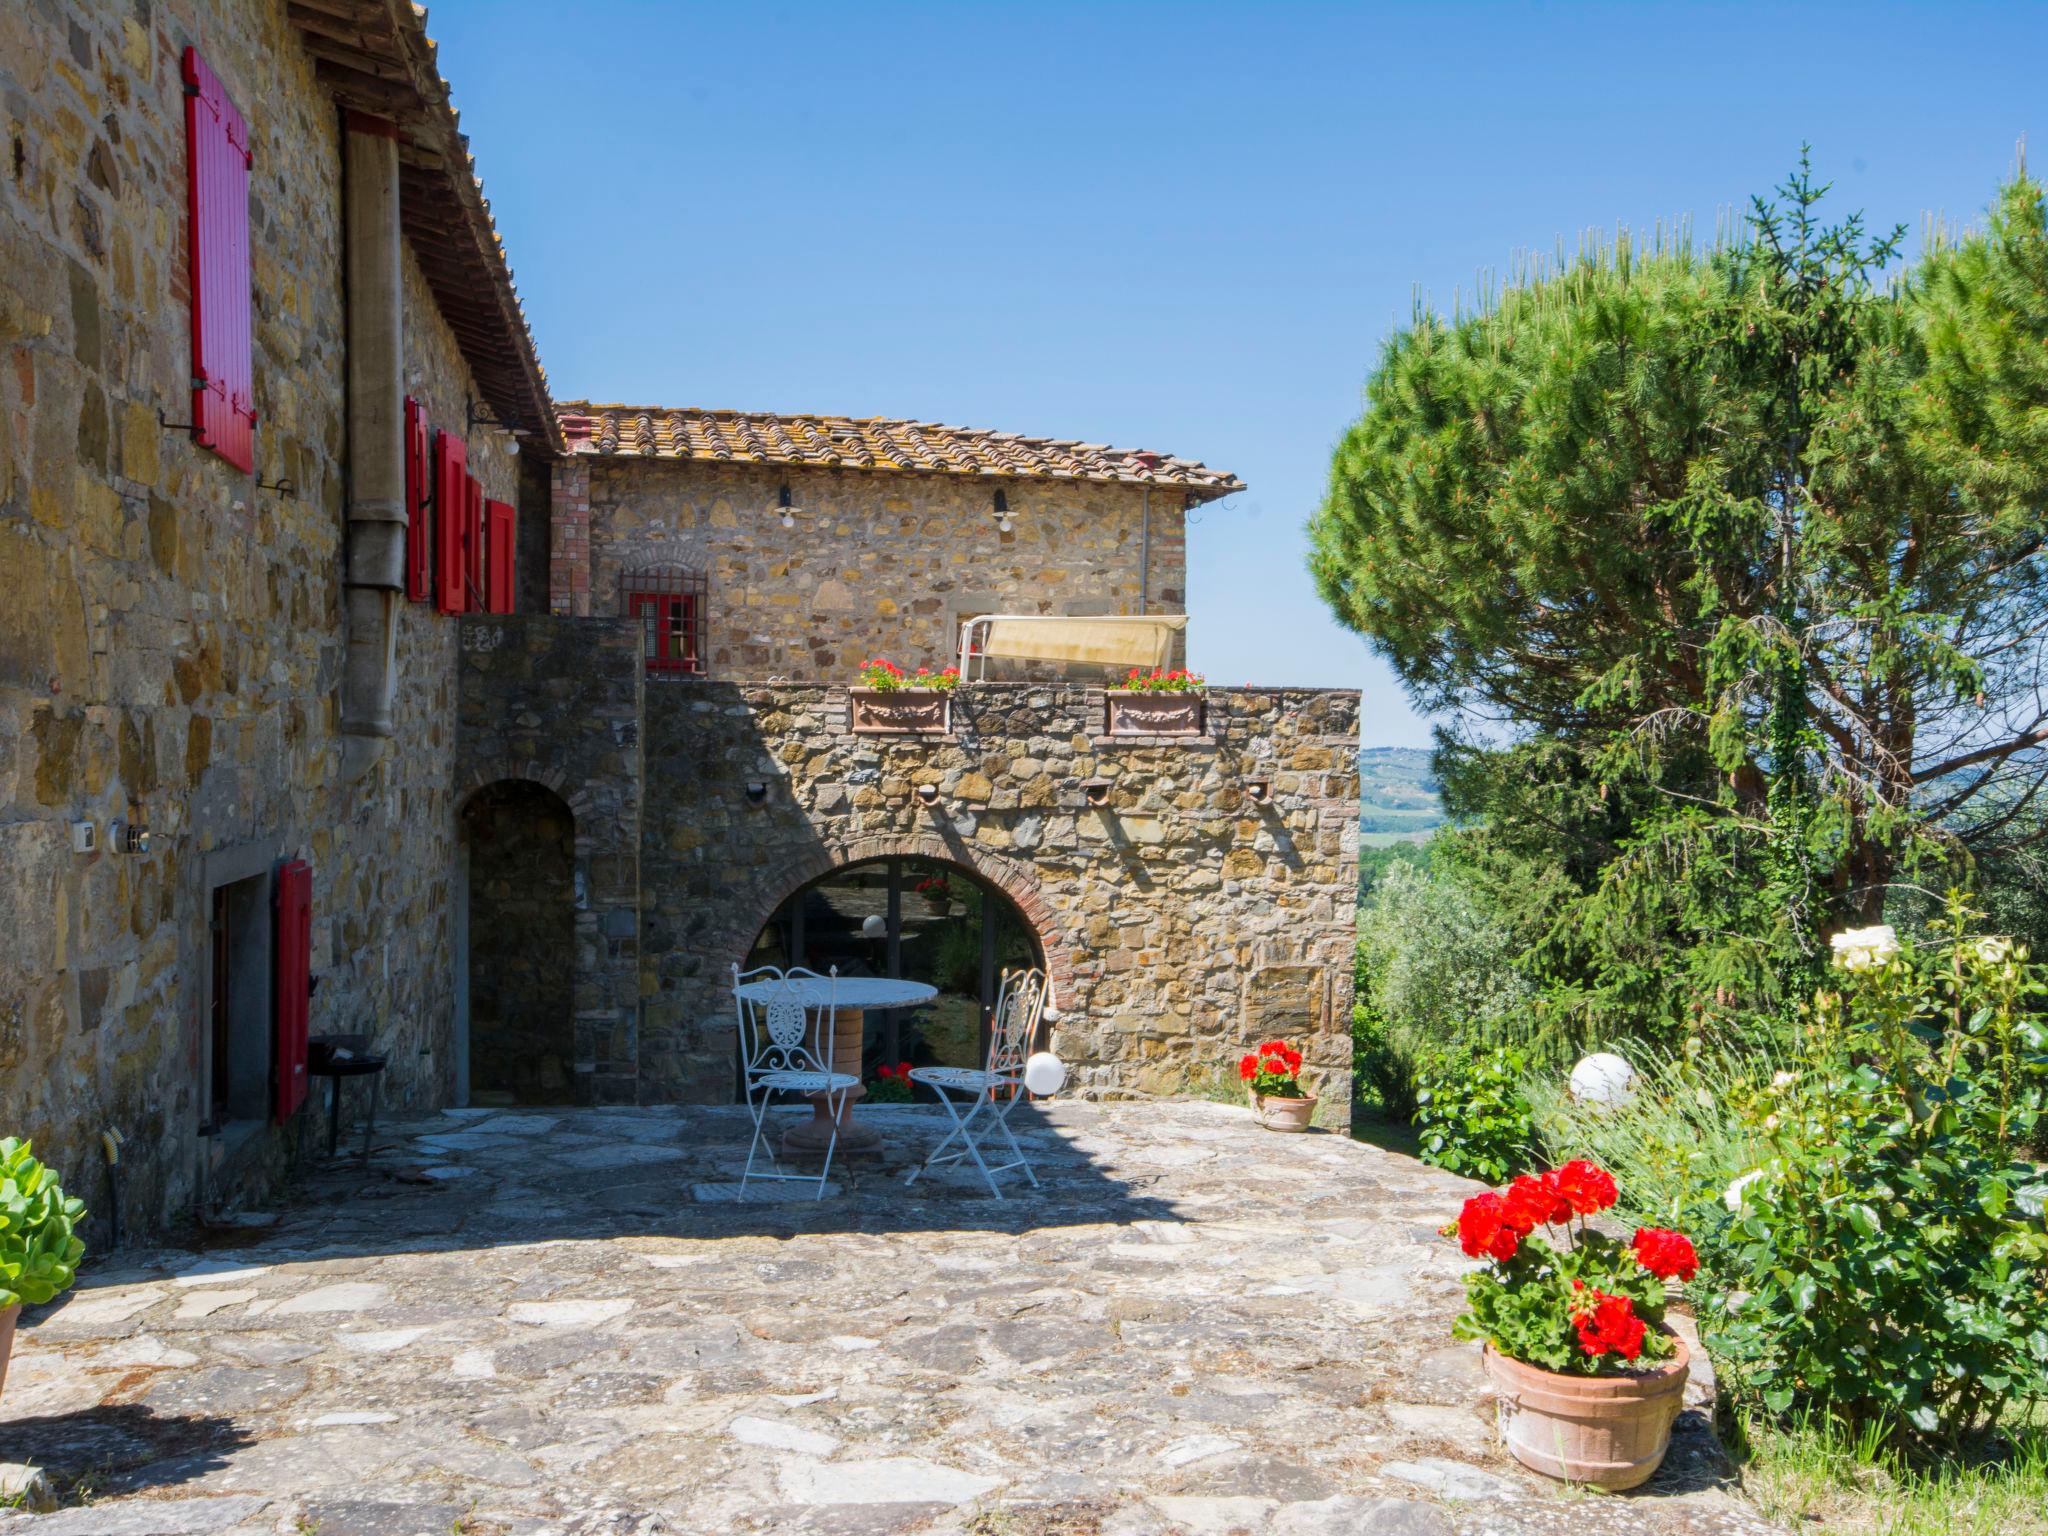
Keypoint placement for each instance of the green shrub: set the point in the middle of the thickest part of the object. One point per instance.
(1382, 1065)
(1470, 1114)
(1885, 1259)
(1438, 966)
(38, 1253)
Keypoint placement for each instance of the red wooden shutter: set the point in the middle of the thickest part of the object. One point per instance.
(500, 525)
(294, 960)
(217, 161)
(473, 547)
(451, 502)
(419, 529)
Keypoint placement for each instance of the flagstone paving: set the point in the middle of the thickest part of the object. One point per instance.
(511, 1323)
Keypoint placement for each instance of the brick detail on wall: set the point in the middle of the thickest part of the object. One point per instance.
(569, 538)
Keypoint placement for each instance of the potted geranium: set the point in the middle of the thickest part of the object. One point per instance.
(1589, 1377)
(891, 1084)
(888, 699)
(39, 1251)
(1158, 703)
(1272, 1076)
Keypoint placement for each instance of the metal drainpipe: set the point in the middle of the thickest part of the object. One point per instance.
(375, 575)
(1145, 556)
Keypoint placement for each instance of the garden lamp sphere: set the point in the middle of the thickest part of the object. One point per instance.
(874, 926)
(1604, 1079)
(1045, 1073)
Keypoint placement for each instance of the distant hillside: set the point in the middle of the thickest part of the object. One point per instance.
(1397, 797)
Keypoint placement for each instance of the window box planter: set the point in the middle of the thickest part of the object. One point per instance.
(902, 711)
(1157, 714)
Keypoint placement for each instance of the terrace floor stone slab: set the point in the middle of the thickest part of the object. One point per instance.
(1192, 1325)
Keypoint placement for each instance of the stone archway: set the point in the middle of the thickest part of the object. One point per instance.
(519, 837)
(758, 901)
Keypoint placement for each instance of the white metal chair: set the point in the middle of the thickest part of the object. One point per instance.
(784, 1052)
(989, 1094)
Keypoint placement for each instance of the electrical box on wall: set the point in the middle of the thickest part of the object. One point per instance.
(83, 837)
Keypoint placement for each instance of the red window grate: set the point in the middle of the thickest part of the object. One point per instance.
(669, 601)
(217, 161)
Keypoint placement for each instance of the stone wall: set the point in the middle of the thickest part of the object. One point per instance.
(1180, 921)
(876, 564)
(557, 702)
(172, 639)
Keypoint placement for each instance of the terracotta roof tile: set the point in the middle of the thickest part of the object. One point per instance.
(871, 443)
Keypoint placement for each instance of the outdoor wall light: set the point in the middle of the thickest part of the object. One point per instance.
(928, 793)
(1258, 791)
(757, 791)
(128, 837)
(788, 507)
(1097, 791)
(1002, 513)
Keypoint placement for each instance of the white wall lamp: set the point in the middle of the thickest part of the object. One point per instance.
(1258, 791)
(928, 794)
(1002, 510)
(788, 507)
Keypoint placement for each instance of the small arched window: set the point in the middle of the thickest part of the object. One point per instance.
(669, 601)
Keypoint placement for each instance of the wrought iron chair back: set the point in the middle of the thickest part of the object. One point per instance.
(1013, 1027)
(781, 1033)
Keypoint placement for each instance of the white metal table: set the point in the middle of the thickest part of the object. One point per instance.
(850, 998)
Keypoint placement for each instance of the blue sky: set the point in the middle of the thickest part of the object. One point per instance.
(1179, 227)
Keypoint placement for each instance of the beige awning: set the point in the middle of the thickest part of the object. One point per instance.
(1139, 640)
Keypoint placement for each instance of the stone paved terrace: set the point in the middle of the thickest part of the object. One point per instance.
(527, 1322)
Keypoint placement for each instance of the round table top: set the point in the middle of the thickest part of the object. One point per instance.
(848, 992)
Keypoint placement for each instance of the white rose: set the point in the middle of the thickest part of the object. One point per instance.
(1992, 951)
(1737, 1193)
(1864, 949)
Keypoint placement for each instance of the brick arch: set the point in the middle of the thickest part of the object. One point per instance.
(530, 772)
(757, 903)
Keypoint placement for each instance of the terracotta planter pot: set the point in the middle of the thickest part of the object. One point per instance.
(902, 711)
(7, 1317)
(1157, 714)
(1609, 1431)
(1277, 1114)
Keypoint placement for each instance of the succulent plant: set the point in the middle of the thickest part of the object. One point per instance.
(38, 1252)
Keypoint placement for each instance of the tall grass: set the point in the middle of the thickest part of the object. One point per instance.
(1822, 1478)
(1673, 1145)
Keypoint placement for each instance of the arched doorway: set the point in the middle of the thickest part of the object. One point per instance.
(920, 918)
(519, 839)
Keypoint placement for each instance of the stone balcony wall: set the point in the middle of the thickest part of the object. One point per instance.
(1181, 919)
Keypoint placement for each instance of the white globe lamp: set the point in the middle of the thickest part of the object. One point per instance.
(1045, 1073)
(1603, 1079)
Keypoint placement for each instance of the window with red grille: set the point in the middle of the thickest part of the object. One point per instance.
(217, 161)
(500, 525)
(669, 601)
(419, 500)
(451, 506)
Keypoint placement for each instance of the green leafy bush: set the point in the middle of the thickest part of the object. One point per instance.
(38, 1252)
(1383, 1066)
(1886, 1258)
(1470, 1113)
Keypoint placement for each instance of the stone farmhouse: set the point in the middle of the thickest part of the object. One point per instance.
(350, 684)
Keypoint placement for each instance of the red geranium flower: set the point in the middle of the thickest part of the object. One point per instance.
(1666, 1254)
(1248, 1067)
(1587, 1188)
(1482, 1230)
(1609, 1323)
(1533, 1202)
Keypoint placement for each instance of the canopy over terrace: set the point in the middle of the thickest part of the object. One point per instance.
(1117, 640)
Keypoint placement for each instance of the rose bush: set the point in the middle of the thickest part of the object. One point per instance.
(1885, 1259)
(1557, 1292)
